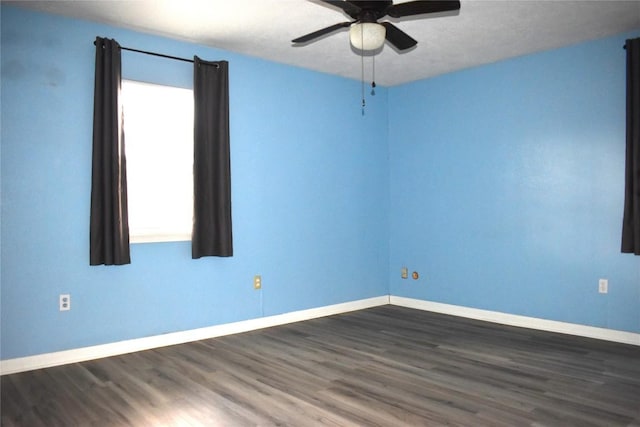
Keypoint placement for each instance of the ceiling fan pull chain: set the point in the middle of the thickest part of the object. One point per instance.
(362, 69)
(373, 79)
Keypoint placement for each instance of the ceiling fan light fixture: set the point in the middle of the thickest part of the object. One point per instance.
(367, 35)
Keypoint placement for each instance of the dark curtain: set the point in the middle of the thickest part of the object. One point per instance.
(109, 234)
(631, 221)
(211, 165)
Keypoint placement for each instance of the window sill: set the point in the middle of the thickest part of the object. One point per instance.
(159, 238)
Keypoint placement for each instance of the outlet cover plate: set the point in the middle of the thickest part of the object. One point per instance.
(603, 286)
(64, 302)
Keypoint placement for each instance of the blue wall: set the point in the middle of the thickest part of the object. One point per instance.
(507, 187)
(309, 183)
(501, 185)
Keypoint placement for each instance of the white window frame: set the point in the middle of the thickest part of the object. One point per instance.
(158, 127)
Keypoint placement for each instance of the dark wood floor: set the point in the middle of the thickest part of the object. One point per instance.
(386, 366)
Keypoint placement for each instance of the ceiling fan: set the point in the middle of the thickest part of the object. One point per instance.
(366, 33)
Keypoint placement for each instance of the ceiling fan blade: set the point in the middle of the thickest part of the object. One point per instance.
(419, 7)
(397, 37)
(351, 9)
(320, 33)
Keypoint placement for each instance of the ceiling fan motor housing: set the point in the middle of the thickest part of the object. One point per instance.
(370, 11)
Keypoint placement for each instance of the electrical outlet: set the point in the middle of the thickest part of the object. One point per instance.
(603, 286)
(64, 302)
(404, 272)
(257, 282)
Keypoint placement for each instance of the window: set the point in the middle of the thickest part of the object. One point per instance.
(158, 126)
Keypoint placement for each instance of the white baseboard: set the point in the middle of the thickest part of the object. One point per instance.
(28, 363)
(520, 321)
(47, 360)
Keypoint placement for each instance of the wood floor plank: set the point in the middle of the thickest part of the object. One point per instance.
(385, 366)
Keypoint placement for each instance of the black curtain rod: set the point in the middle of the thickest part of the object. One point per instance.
(162, 55)
(156, 54)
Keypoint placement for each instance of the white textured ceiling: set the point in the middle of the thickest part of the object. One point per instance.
(483, 31)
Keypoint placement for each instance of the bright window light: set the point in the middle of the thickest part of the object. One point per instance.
(158, 126)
